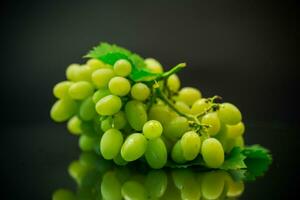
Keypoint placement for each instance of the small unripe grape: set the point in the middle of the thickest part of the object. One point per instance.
(156, 153)
(234, 131)
(177, 153)
(109, 105)
(99, 94)
(229, 114)
(173, 83)
(106, 124)
(63, 109)
(95, 64)
(81, 90)
(190, 145)
(87, 143)
(134, 147)
(189, 95)
(212, 152)
(111, 143)
(200, 106)
(119, 120)
(119, 86)
(61, 90)
(153, 65)
(101, 77)
(136, 114)
(152, 129)
(213, 121)
(74, 125)
(122, 68)
(140, 91)
(71, 72)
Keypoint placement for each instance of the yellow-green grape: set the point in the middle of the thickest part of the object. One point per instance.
(152, 129)
(177, 153)
(74, 125)
(109, 105)
(191, 190)
(84, 73)
(110, 187)
(175, 129)
(111, 143)
(119, 86)
(81, 90)
(140, 91)
(213, 184)
(77, 171)
(239, 141)
(156, 183)
(133, 190)
(63, 109)
(234, 131)
(213, 121)
(212, 152)
(190, 145)
(63, 194)
(87, 143)
(122, 68)
(180, 176)
(200, 106)
(173, 83)
(101, 77)
(136, 114)
(99, 94)
(153, 65)
(182, 107)
(134, 147)
(118, 160)
(234, 188)
(189, 95)
(160, 113)
(156, 153)
(61, 90)
(119, 120)
(72, 71)
(87, 109)
(95, 64)
(229, 114)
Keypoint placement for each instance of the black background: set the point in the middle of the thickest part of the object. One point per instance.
(244, 51)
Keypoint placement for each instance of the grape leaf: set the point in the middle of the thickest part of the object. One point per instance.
(235, 160)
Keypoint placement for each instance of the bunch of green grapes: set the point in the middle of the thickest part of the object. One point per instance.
(153, 121)
(117, 183)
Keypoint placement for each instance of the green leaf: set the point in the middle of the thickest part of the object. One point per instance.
(235, 160)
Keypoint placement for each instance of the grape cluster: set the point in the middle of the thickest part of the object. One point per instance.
(153, 121)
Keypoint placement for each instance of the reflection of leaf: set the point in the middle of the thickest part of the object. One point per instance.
(235, 160)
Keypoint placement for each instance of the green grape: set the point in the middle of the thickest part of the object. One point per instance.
(212, 152)
(182, 107)
(239, 141)
(173, 83)
(160, 113)
(134, 147)
(63, 194)
(152, 129)
(175, 129)
(95, 64)
(234, 131)
(153, 65)
(106, 124)
(213, 184)
(190, 145)
(119, 160)
(200, 106)
(87, 109)
(111, 187)
(234, 188)
(122, 68)
(119, 120)
(189, 95)
(229, 114)
(132, 190)
(101, 77)
(156, 153)
(111, 143)
(63, 109)
(81, 90)
(213, 121)
(74, 125)
(109, 105)
(72, 71)
(136, 114)
(61, 90)
(177, 153)
(77, 171)
(84, 73)
(99, 94)
(182, 175)
(191, 190)
(87, 143)
(140, 91)
(156, 183)
(119, 86)
(88, 129)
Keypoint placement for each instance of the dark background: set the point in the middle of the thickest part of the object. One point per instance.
(244, 51)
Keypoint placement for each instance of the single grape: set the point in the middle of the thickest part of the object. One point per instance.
(84, 73)
(189, 95)
(134, 147)
(175, 129)
(109, 105)
(111, 187)
(122, 68)
(76, 170)
(200, 106)
(81, 90)
(213, 121)
(63, 194)
(152, 129)
(229, 114)
(160, 113)
(119, 86)
(101, 77)
(190, 145)
(74, 125)
(191, 190)
(156, 183)
(173, 83)
(133, 190)
(106, 124)
(99, 94)
(212, 152)
(182, 107)
(153, 65)
(213, 184)
(177, 153)
(239, 141)
(136, 114)
(87, 109)
(63, 109)
(95, 64)
(140, 91)
(156, 153)
(61, 90)
(111, 143)
(235, 188)
(119, 120)
(87, 143)
(234, 131)
(72, 71)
